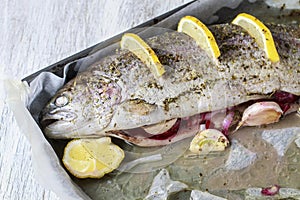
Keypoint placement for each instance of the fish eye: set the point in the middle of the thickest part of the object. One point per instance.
(61, 101)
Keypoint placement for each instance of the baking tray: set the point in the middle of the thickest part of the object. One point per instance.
(237, 190)
(162, 21)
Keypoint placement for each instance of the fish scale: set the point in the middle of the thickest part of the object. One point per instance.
(193, 82)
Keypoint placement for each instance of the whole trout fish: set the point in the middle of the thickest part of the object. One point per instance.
(118, 95)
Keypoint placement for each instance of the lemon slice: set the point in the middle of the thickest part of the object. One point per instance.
(92, 158)
(141, 49)
(260, 32)
(200, 33)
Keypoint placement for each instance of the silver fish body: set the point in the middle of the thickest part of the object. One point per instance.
(119, 92)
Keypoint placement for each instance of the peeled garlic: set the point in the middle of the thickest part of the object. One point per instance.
(207, 141)
(160, 127)
(261, 113)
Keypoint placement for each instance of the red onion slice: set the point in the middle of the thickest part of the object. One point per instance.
(227, 122)
(270, 191)
(284, 97)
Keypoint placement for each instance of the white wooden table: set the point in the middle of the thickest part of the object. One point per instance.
(35, 34)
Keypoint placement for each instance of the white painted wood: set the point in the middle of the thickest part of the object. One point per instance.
(35, 34)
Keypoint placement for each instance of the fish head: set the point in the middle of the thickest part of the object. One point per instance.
(84, 106)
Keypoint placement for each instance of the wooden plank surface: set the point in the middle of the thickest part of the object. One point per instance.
(35, 34)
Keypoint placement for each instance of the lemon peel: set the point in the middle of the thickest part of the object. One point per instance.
(143, 51)
(200, 33)
(260, 33)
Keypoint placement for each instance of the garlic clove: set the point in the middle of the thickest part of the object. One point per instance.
(160, 127)
(261, 113)
(207, 141)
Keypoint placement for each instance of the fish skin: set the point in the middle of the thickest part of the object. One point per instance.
(119, 92)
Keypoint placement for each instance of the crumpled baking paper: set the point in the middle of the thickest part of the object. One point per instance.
(47, 167)
(163, 186)
(283, 193)
(239, 157)
(281, 139)
(199, 195)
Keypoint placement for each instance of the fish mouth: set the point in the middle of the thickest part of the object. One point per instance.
(55, 124)
(47, 122)
(57, 128)
(50, 124)
(56, 117)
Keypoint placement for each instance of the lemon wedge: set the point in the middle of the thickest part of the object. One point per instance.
(92, 158)
(260, 32)
(143, 51)
(200, 33)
